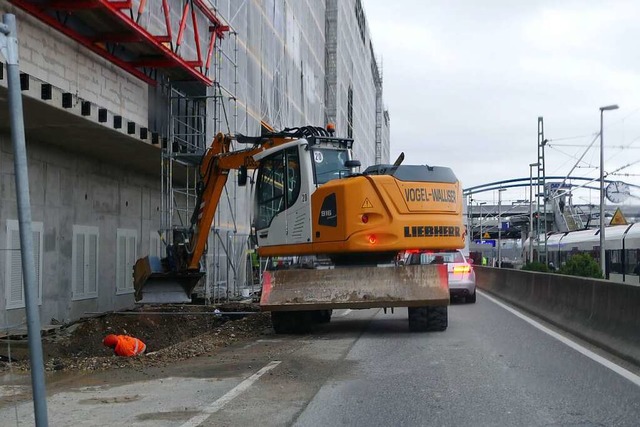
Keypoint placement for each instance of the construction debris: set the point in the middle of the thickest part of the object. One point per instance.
(169, 338)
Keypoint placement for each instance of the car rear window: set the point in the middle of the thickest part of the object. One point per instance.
(432, 258)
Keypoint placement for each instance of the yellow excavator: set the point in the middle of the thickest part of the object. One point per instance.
(311, 199)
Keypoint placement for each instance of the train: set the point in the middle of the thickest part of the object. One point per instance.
(622, 249)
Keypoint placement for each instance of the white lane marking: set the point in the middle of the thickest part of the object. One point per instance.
(229, 396)
(345, 313)
(577, 347)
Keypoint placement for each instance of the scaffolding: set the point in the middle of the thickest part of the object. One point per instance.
(377, 78)
(192, 122)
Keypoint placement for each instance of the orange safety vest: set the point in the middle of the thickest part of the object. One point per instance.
(128, 346)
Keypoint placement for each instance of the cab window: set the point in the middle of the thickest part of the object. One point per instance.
(278, 185)
(329, 164)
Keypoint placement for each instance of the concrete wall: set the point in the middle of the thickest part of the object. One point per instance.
(601, 312)
(66, 190)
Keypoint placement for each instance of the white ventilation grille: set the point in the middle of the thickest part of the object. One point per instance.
(298, 226)
(155, 245)
(13, 268)
(126, 255)
(84, 262)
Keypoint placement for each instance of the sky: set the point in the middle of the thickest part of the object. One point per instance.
(465, 82)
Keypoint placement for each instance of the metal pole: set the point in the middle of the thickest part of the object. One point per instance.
(500, 227)
(481, 232)
(10, 52)
(603, 261)
(530, 213)
(603, 264)
(531, 228)
(538, 205)
(544, 200)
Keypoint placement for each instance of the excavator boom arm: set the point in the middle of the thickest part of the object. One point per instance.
(214, 170)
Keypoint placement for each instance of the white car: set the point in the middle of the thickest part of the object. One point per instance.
(462, 278)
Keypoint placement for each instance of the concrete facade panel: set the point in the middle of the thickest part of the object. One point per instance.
(100, 193)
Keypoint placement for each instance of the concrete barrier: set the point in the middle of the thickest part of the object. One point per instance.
(603, 313)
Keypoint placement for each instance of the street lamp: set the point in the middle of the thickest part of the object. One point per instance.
(603, 263)
(500, 226)
(531, 166)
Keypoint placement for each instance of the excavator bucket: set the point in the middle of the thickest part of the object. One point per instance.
(153, 286)
(355, 287)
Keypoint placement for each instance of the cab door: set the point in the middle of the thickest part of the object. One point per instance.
(282, 214)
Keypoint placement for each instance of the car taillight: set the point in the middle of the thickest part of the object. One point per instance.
(461, 269)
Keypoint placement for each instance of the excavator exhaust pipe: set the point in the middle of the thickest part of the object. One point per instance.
(153, 286)
(355, 287)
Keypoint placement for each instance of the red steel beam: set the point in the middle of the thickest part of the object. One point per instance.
(208, 13)
(167, 18)
(219, 30)
(212, 42)
(163, 39)
(71, 5)
(38, 12)
(179, 62)
(183, 24)
(122, 4)
(196, 36)
(141, 6)
(137, 33)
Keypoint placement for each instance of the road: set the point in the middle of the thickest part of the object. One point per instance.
(489, 368)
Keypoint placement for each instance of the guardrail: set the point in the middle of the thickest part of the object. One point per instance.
(603, 313)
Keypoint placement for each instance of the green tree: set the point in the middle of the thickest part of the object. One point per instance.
(535, 266)
(581, 265)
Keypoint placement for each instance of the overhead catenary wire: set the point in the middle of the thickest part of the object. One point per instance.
(619, 147)
(576, 164)
(572, 156)
(568, 138)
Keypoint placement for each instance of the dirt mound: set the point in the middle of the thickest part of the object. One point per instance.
(171, 333)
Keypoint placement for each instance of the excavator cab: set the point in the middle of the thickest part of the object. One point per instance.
(287, 177)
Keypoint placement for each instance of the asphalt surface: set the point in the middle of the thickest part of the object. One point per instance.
(489, 368)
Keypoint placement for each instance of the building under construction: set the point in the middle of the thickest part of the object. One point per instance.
(121, 99)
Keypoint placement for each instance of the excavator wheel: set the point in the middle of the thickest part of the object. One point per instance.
(470, 299)
(292, 322)
(428, 319)
(323, 316)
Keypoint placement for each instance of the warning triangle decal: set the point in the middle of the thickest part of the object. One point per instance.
(367, 204)
(618, 218)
